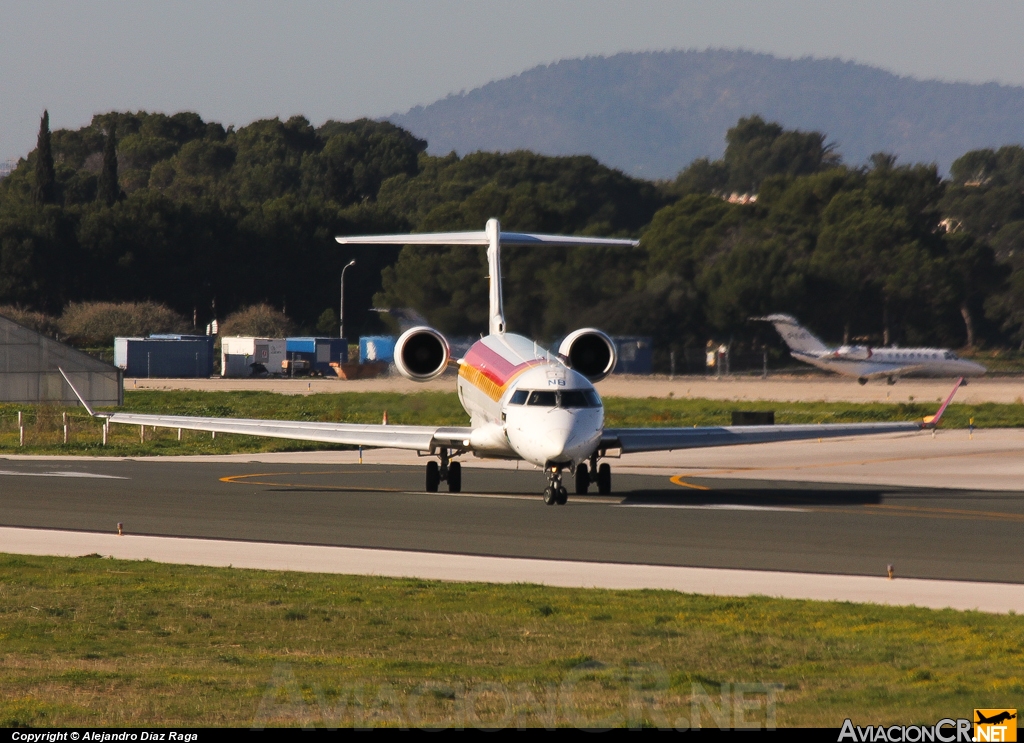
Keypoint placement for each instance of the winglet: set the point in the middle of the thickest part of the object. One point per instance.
(79, 396)
(932, 421)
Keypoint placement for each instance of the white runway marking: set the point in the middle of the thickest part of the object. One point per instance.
(936, 594)
(13, 473)
(712, 507)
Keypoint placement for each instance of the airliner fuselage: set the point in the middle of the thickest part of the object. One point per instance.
(526, 404)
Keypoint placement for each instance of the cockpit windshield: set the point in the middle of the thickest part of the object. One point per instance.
(951, 356)
(561, 399)
(543, 399)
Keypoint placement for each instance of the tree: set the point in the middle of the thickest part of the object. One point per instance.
(973, 274)
(45, 191)
(98, 323)
(327, 323)
(108, 190)
(260, 320)
(757, 149)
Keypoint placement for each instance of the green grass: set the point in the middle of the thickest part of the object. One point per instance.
(621, 411)
(44, 434)
(90, 641)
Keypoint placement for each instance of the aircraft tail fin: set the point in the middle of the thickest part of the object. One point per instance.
(493, 238)
(797, 337)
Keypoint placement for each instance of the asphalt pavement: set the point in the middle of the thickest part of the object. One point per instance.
(717, 522)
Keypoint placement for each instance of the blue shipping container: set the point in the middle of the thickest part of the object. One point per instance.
(319, 352)
(634, 355)
(376, 348)
(161, 357)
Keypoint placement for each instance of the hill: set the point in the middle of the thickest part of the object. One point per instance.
(650, 114)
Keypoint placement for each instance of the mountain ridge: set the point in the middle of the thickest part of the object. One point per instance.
(652, 113)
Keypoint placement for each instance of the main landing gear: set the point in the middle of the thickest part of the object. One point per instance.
(585, 475)
(445, 470)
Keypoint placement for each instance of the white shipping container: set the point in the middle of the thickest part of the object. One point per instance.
(243, 350)
(277, 352)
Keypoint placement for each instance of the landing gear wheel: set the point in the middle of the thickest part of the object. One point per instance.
(550, 496)
(563, 496)
(454, 477)
(433, 477)
(891, 380)
(582, 479)
(604, 479)
(862, 381)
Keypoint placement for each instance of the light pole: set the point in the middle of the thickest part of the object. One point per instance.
(341, 308)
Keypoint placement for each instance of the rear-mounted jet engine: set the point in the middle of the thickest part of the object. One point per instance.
(421, 354)
(590, 352)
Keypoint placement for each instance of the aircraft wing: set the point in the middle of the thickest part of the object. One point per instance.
(631, 440)
(418, 438)
(879, 371)
(669, 439)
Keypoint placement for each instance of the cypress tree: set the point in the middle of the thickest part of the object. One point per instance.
(45, 191)
(108, 190)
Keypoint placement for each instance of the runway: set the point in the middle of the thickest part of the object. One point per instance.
(713, 520)
(778, 387)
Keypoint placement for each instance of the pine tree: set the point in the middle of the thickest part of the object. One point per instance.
(45, 191)
(108, 190)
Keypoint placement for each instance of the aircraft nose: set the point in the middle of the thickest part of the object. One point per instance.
(574, 439)
(555, 441)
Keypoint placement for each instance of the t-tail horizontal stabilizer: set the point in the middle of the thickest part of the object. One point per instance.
(493, 238)
(797, 337)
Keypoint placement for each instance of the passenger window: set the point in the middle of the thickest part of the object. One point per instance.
(543, 399)
(519, 397)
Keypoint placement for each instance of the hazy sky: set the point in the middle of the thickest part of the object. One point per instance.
(237, 61)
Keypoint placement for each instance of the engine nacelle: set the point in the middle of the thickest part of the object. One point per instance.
(421, 354)
(589, 352)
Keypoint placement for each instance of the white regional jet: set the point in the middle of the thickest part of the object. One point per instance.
(865, 362)
(524, 402)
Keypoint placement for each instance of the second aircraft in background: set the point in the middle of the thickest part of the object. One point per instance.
(865, 362)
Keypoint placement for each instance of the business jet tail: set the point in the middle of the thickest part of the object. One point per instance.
(797, 337)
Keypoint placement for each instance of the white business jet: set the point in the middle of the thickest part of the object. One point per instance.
(865, 362)
(524, 403)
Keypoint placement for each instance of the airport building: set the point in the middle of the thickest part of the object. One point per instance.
(30, 366)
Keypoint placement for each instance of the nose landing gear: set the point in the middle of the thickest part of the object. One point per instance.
(445, 470)
(555, 492)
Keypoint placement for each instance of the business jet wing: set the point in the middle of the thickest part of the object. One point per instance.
(867, 370)
(631, 440)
